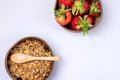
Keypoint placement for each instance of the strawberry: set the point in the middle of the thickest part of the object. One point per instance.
(63, 16)
(90, 20)
(80, 7)
(79, 23)
(95, 9)
(75, 23)
(67, 3)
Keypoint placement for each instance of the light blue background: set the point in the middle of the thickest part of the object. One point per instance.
(95, 56)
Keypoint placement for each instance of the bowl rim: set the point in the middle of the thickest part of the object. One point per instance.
(77, 31)
(20, 40)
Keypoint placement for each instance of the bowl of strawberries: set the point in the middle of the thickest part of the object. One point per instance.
(78, 15)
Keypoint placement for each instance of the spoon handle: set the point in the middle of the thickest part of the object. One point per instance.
(54, 58)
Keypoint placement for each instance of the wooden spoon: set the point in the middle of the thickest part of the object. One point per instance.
(21, 58)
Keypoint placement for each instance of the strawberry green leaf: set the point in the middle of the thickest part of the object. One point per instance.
(85, 30)
(57, 13)
(79, 7)
(62, 11)
(80, 17)
(73, 10)
(67, 10)
(64, 17)
(96, 4)
(85, 17)
(82, 2)
(94, 9)
(63, 6)
(78, 26)
(90, 25)
(76, 12)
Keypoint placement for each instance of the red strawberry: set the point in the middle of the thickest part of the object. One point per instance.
(80, 7)
(95, 9)
(67, 3)
(79, 23)
(75, 23)
(62, 21)
(63, 16)
(90, 20)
